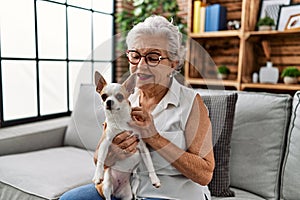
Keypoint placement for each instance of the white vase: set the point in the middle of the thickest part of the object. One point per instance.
(290, 80)
(268, 74)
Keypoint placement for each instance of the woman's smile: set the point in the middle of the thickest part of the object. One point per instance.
(144, 77)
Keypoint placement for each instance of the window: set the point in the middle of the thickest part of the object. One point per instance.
(47, 49)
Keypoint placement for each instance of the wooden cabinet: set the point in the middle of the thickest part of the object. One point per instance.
(244, 51)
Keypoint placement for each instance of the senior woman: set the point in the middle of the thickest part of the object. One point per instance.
(175, 123)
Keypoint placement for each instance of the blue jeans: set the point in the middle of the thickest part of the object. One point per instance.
(87, 192)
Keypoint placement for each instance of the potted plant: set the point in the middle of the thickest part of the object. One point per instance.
(223, 72)
(290, 75)
(265, 24)
(141, 9)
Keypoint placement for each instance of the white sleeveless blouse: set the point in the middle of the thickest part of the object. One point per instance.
(170, 118)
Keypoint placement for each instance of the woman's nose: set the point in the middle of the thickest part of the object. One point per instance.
(142, 62)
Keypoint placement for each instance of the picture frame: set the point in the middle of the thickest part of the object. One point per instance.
(293, 22)
(271, 8)
(286, 15)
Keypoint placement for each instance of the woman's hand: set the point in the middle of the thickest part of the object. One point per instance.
(123, 146)
(143, 123)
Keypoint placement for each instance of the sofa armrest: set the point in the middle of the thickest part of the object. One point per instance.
(33, 136)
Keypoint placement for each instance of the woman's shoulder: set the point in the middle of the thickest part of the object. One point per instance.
(184, 90)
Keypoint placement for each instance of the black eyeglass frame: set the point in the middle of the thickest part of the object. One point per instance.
(145, 56)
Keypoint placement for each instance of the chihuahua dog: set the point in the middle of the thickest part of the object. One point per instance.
(115, 180)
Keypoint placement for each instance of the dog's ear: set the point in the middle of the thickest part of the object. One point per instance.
(130, 83)
(99, 81)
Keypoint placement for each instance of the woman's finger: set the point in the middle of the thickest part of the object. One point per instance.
(121, 137)
(117, 153)
(140, 116)
(128, 142)
(136, 109)
(131, 149)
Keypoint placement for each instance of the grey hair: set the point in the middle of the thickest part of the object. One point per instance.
(160, 26)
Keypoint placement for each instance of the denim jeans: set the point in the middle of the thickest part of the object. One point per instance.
(87, 192)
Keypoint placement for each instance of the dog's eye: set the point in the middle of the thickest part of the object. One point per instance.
(104, 97)
(119, 97)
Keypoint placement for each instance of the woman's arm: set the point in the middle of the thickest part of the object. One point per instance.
(197, 163)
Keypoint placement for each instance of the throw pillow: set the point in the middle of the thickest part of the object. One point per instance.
(85, 127)
(291, 176)
(221, 111)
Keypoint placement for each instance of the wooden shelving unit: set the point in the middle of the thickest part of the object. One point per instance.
(216, 34)
(241, 50)
(197, 81)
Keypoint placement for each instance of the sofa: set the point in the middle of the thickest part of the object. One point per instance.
(257, 148)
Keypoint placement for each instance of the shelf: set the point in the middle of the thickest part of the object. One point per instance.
(199, 81)
(246, 35)
(278, 86)
(216, 34)
(273, 33)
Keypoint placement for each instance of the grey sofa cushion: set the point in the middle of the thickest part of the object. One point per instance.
(261, 122)
(221, 111)
(46, 173)
(85, 127)
(240, 195)
(291, 176)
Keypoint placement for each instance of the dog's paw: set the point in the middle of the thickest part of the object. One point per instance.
(97, 179)
(154, 180)
(157, 185)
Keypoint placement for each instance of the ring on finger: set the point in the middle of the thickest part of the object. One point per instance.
(124, 151)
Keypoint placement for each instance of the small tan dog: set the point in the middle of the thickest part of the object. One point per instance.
(115, 180)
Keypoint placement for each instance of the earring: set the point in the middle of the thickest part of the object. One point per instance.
(171, 75)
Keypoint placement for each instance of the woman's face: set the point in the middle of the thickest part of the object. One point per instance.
(151, 76)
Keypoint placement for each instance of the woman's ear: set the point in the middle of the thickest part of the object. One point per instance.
(175, 64)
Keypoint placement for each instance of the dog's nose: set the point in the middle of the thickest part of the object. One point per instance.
(109, 104)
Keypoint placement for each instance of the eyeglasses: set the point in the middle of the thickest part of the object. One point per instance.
(152, 58)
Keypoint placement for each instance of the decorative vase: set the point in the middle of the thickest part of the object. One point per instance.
(254, 77)
(290, 80)
(268, 74)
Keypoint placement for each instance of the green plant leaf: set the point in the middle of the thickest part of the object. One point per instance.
(291, 72)
(145, 8)
(223, 69)
(267, 21)
(137, 3)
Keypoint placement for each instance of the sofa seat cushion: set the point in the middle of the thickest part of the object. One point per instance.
(291, 172)
(46, 173)
(8, 192)
(240, 195)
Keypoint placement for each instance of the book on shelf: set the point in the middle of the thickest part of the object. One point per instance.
(198, 17)
(215, 18)
(202, 18)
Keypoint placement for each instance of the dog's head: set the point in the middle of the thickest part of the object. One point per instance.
(114, 95)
